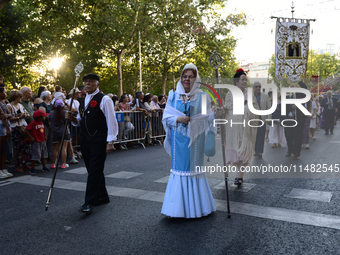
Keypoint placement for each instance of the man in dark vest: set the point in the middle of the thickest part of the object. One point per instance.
(98, 130)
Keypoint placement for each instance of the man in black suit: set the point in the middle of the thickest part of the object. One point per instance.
(98, 131)
(294, 134)
(329, 105)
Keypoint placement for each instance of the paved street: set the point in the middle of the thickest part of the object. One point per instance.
(269, 216)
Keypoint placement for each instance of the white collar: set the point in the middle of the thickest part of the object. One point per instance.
(93, 94)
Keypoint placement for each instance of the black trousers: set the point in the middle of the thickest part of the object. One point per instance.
(260, 136)
(94, 155)
(329, 121)
(294, 136)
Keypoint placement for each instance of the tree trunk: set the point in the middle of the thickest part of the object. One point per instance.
(164, 78)
(173, 79)
(119, 73)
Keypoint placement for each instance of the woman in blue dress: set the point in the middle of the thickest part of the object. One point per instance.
(188, 193)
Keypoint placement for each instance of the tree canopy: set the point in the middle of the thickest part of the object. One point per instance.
(322, 65)
(104, 36)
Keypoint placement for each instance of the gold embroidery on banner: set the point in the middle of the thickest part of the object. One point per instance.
(292, 42)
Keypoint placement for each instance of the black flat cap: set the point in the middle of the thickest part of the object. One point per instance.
(91, 76)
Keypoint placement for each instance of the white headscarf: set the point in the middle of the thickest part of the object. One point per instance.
(198, 123)
(194, 89)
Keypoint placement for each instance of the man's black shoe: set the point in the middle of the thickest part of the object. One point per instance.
(331, 132)
(86, 208)
(326, 133)
(102, 201)
(289, 154)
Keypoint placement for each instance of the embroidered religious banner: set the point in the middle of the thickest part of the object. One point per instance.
(291, 50)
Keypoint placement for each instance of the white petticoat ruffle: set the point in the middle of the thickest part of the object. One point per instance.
(188, 197)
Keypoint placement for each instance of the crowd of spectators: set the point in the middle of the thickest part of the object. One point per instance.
(31, 126)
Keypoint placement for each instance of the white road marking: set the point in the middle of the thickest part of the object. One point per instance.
(245, 187)
(163, 180)
(79, 170)
(282, 214)
(315, 195)
(123, 175)
(4, 183)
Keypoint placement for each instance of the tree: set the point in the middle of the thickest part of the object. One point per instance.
(13, 40)
(185, 30)
(104, 34)
(318, 64)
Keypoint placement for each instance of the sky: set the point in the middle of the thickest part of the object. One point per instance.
(256, 42)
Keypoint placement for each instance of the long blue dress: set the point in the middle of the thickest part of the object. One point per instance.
(188, 193)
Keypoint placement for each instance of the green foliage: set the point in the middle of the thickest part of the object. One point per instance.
(103, 35)
(318, 64)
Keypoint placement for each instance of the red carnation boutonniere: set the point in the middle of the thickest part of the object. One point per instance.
(93, 103)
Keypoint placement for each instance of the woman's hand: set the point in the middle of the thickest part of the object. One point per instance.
(183, 119)
(219, 112)
(69, 115)
(110, 148)
(21, 115)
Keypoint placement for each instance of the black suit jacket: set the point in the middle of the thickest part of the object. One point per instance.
(327, 111)
(299, 114)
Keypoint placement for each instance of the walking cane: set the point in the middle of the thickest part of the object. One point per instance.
(78, 69)
(215, 61)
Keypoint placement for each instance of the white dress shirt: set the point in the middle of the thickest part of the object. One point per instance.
(106, 106)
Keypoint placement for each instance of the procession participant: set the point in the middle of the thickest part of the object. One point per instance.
(264, 103)
(276, 131)
(313, 120)
(240, 140)
(98, 130)
(270, 94)
(305, 135)
(329, 105)
(187, 194)
(294, 134)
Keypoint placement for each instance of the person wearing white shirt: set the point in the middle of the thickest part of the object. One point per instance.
(98, 131)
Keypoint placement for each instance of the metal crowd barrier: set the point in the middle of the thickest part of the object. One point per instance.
(133, 126)
(157, 130)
